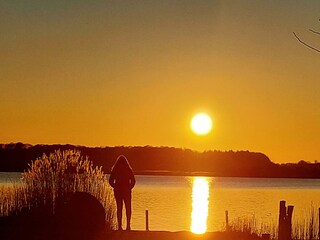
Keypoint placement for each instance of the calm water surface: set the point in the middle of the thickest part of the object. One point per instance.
(199, 203)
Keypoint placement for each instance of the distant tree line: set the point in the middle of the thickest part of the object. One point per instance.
(166, 161)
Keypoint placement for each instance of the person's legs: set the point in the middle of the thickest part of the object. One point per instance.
(127, 203)
(119, 201)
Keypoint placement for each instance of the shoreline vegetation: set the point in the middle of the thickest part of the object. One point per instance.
(61, 196)
(166, 161)
(64, 196)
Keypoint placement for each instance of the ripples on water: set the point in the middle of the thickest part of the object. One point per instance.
(199, 204)
(174, 202)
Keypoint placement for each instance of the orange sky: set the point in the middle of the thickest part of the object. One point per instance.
(134, 72)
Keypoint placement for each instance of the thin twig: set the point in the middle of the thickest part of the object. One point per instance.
(313, 31)
(304, 43)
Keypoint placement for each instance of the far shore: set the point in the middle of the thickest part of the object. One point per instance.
(167, 161)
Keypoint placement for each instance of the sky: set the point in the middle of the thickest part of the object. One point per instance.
(133, 73)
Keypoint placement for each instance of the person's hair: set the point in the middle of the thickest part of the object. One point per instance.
(121, 164)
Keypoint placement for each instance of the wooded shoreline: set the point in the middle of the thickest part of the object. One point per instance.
(167, 161)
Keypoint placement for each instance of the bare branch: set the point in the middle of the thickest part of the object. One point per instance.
(305, 44)
(313, 31)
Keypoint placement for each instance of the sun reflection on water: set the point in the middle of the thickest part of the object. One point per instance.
(200, 203)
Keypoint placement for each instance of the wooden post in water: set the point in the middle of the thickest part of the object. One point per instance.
(227, 220)
(282, 218)
(289, 222)
(147, 220)
(285, 221)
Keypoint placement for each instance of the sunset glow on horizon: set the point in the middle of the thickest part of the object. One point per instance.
(133, 73)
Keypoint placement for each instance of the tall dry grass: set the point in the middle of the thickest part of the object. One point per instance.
(303, 227)
(250, 225)
(52, 178)
(12, 199)
(307, 227)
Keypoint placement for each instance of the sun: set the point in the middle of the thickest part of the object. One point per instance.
(201, 124)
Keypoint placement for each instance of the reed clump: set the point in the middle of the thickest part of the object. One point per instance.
(303, 227)
(53, 178)
(12, 199)
(307, 227)
(250, 226)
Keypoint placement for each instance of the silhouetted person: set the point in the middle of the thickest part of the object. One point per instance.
(122, 180)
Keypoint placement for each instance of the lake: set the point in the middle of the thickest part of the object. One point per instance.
(199, 203)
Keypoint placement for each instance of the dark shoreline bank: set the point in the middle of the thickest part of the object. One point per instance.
(167, 161)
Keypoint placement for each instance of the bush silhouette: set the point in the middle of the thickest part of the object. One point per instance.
(60, 188)
(79, 216)
(64, 172)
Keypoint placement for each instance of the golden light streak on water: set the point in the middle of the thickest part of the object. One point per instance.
(200, 205)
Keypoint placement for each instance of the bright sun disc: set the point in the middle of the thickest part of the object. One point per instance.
(201, 124)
